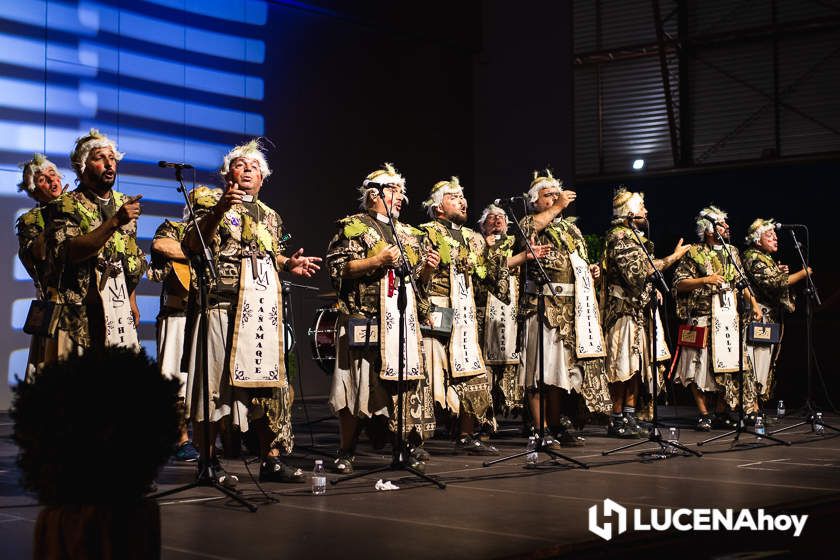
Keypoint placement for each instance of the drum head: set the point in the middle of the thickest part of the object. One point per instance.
(323, 338)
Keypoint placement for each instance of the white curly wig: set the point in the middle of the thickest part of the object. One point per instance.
(38, 164)
(439, 190)
(758, 228)
(388, 175)
(490, 209)
(250, 150)
(85, 144)
(539, 183)
(704, 226)
(627, 203)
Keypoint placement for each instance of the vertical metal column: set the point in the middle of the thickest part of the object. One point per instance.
(666, 83)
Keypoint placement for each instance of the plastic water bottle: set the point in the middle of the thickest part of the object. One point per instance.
(532, 457)
(819, 429)
(319, 478)
(673, 437)
(759, 426)
(780, 410)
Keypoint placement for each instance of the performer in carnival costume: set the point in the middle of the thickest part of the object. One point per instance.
(92, 241)
(703, 287)
(628, 324)
(771, 282)
(365, 267)
(454, 362)
(572, 338)
(498, 320)
(41, 182)
(171, 268)
(245, 356)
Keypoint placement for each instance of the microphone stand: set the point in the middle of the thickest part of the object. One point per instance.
(811, 297)
(290, 347)
(400, 450)
(203, 266)
(743, 284)
(544, 280)
(660, 286)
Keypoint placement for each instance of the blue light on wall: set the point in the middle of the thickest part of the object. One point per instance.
(168, 79)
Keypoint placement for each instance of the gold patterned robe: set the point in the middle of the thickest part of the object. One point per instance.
(360, 236)
(71, 215)
(702, 260)
(244, 228)
(775, 298)
(508, 394)
(464, 251)
(628, 291)
(565, 237)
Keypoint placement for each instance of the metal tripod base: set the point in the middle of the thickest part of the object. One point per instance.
(655, 436)
(741, 429)
(207, 479)
(541, 448)
(807, 421)
(398, 463)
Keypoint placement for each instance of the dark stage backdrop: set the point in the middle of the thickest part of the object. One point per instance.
(335, 92)
(523, 97)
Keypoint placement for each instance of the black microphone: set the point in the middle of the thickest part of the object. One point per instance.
(707, 217)
(509, 200)
(789, 226)
(175, 165)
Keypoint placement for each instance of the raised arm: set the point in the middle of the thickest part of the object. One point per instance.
(84, 247)
(542, 219)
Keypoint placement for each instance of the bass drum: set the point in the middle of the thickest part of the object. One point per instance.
(323, 337)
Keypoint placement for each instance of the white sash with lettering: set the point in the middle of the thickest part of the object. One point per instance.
(120, 329)
(465, 358)
(724, 332)
(389, 333)
(256, 358)
(589, 338)
(500, 328)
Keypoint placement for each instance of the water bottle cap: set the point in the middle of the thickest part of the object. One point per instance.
(319, 462)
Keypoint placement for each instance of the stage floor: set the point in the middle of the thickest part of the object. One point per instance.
(503, 511)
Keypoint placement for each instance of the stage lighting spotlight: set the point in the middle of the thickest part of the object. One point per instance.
(638, 164)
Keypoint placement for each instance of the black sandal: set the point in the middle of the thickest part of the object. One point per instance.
(274, 470)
